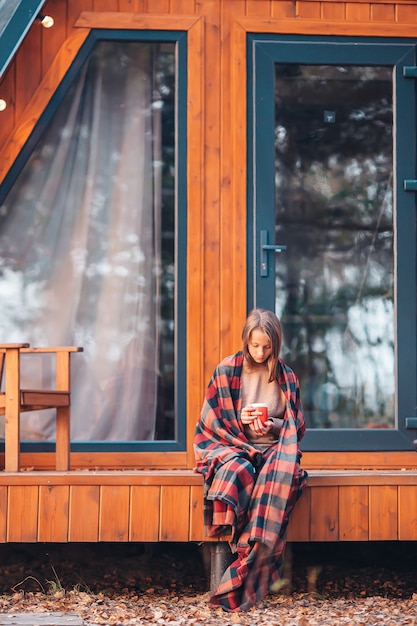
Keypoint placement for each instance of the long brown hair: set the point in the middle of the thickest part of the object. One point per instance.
(268, 323)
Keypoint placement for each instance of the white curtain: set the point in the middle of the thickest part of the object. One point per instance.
(80, 246)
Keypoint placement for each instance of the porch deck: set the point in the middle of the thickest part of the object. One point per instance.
(167, 505)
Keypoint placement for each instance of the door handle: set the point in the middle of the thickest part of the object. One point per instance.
(264, 248)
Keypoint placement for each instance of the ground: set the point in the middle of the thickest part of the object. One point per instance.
(119, 584)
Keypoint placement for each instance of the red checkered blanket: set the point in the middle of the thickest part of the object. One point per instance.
(252, 492)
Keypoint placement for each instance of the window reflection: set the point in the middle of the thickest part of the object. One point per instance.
(334, 212)
(87, 244)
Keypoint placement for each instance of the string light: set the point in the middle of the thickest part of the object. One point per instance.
(3, 104)
(46, 20)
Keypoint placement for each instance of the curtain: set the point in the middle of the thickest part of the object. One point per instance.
(80, 247)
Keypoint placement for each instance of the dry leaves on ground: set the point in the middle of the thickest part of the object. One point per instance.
(133, 585)
(192, 610)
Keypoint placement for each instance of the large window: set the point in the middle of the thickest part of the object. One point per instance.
(333, 251)
(90, 242)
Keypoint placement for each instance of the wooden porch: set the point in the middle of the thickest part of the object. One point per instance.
(167, 505)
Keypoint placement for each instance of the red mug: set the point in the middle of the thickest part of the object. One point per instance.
(261, 407)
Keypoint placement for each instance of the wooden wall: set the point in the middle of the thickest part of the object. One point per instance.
(87, 507)
(152, 506)
(216, 253)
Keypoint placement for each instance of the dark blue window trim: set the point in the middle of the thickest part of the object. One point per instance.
(263, 52)
(180, 38)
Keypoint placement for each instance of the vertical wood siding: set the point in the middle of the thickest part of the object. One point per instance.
(83, 516)
(354, 513)
(174, 512)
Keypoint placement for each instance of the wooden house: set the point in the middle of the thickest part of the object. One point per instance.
(165, 166)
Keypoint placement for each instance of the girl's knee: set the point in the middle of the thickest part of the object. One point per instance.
(240, 471)
(245, 472)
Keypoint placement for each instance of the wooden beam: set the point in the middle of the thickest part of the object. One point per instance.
(135, 21)
(299, 26)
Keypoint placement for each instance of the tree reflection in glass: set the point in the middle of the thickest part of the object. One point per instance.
(334, 212)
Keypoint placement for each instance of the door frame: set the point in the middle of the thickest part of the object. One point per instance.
(263, 51)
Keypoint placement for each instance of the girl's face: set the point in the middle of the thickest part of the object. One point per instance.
(259, 346)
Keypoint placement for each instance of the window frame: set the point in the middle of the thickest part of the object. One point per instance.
(263, 51)
(158, 36)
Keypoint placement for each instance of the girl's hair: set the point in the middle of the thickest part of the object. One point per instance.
(269, 324)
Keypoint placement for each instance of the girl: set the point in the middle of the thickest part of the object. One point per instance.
(251, 469)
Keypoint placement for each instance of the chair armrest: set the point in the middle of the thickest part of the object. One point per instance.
(50, 350)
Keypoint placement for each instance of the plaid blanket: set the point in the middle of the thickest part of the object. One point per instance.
(252, 492)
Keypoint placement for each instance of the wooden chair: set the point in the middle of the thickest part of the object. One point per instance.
(14, 400)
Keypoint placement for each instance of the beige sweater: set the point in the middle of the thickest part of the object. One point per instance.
(256, 388)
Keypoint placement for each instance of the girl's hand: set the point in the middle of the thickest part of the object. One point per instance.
(248, 414)
(251, 416)
(259, 428)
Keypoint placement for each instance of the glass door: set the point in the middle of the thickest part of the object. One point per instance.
(327, 223)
